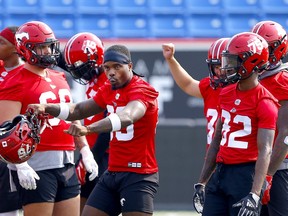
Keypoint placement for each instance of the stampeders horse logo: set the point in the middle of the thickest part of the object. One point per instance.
(89, 47)
(20, 36)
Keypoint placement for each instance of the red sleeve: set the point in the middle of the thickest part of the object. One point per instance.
(267, 112)
(145, 94)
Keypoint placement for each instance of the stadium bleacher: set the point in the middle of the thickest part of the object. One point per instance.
(145, 18)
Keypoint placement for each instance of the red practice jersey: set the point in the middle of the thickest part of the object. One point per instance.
(277, 85)
(242, 114)
(90, 93)
(132, 149)
(210, 98)
(6, 74)
(28, 88)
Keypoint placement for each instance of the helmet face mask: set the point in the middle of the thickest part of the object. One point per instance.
(230, 67)
(31, 38)
(41, 59)
(83, 72)
(84, 56)
(214, 62)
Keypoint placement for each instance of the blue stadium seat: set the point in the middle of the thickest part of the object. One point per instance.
(93, 6)
(19, 19)
(100, 25)
(167, 6)
(62, 25)
(168, 26)
(127, 26)
(241, 6)
(130, 6)
(2, 24)
(200, 25)
(275, 6)
(203, 6)
(282, 19)
(235, 24)
(22, 7)
(59, 6)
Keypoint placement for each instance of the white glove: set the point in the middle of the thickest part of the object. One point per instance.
(89, 162)
(27, 176)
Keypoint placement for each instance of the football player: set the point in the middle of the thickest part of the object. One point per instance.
(9, 63)
(131, 181)
(83, 54)
(208, 89)
(47, 182)
(275, 79)
(238, 157)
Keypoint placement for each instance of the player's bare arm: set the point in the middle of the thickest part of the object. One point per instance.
(280, 148)
(265, 139)
(187, 83)
(210, 159)
(132, 112)
(9, 109)
(68, 111)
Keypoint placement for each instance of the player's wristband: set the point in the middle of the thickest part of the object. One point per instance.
(115, 121)
(64, 111)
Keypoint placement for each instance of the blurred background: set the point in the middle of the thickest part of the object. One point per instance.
(143, 26)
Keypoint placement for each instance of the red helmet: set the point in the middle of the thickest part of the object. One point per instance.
(244, 54)
(214, 59)
(83, 55)
(37, 34)
(276, 37)
(18, 139)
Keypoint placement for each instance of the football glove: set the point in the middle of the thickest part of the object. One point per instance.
(27, 176)
(89, 162)
(267, 187)
(249, 205)
(199, 197)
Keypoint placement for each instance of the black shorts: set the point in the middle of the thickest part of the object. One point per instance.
(9, 197)
(87, 188)
(227, 185)
(279, 194)
(118, 192)
(55, 185)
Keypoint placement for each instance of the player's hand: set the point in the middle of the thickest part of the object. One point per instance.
(89, 162)
(36, 109)
(77, 130)
(81, 172)
(168, 50)
(249, 205)
(267, 187)
(27, 176)
(199, 197)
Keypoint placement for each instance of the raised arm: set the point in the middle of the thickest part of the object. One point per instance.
(186, 82)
